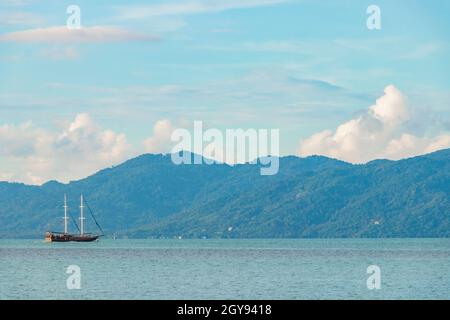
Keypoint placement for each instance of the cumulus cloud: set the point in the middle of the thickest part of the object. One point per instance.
(160, 141)
(35, 155)
(84, 34)
(384, 131)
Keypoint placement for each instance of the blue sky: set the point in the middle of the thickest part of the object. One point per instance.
(301, 66)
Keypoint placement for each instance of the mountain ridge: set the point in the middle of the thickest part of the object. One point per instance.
(313, 197)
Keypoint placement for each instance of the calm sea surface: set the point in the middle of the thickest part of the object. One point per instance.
(226, 269)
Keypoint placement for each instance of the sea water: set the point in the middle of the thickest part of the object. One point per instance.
(226, 269)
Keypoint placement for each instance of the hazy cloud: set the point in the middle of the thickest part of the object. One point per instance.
(14, 3)
(60, 53)
(84, 34)
(192, 7)
(20, 18)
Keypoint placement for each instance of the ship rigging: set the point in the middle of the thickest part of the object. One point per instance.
(82, 236)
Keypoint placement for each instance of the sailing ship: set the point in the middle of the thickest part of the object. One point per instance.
(52, 236)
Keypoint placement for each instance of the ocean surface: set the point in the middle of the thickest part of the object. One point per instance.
(226, 269)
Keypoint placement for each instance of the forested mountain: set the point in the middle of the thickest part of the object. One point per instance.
(315, 197)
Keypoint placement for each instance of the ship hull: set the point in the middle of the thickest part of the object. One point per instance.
(65, 237)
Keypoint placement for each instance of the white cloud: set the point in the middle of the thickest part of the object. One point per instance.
(34, 155)
(192, 7)
(160, 141)
(382, 132)
(84, 34)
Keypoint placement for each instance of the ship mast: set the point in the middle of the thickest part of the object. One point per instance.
(81, 217)
(66, 218)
